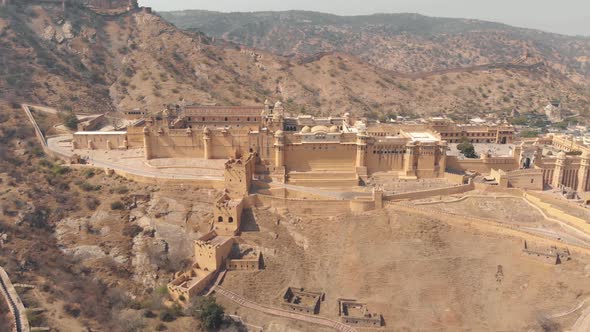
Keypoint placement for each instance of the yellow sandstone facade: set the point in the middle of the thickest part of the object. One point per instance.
(339, 151)
(302, 150)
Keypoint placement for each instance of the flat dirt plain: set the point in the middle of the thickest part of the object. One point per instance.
(421, 273)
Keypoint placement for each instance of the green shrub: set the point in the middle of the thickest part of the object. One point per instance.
(118, 205)
(467, 148)
(122, 190)
(131, 230)
(92, 203)
(71, 121)
(208, 312)
(89, 187)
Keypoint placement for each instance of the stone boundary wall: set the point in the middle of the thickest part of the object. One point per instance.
(429, 193)
(17, 309)
(40, 135)
(483, 165)
(575, 222)
(455, 178)
(489, 225)
(464, 198)
(322, 207)
(146, 179)
(498, 189)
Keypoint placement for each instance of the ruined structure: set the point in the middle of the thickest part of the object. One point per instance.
(356, 313)
(244, 260)
(300, 300)
(552, 255)
(211, 252)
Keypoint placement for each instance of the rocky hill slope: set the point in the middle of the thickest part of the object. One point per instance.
(399, 42)
(83, 61)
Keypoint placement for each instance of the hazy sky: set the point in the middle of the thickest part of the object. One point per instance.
(562, 16)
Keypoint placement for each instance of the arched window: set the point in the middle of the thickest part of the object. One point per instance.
(226, 119)
(220, 219)
(230, 220)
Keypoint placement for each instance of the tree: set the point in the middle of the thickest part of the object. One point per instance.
(71, 121)
(467, 148)
(208, 312)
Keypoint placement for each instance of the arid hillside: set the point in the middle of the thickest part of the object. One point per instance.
(82, 61)
(398, 42)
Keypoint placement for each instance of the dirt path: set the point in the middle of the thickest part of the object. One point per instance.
(283, 313)
(583, 323)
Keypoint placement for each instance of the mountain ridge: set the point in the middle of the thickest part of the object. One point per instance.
(84, 62)
(399, 42)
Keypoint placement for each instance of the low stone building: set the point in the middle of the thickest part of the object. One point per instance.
(211, 252)
(356, 313)
(551, 255)
(248, 259)
(300, 300)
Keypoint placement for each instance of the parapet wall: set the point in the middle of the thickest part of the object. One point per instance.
(16, 307)
(553, 212)
(483, 165)
(304, 206)
(431, 192)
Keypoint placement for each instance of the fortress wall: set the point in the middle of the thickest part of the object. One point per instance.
(530, 179)
(576, 222)
(320, 157)
(14, 303)
(309, 207)
(225, 146)
(201, 183)
(455, 178)
(429, 193)
(498, 189)
(357, 206)
(385, 158)
(176, 144)
(135, 137)
(483, 166)
(488, 225)
(99, 140)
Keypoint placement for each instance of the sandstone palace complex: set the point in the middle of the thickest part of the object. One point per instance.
(342, 151)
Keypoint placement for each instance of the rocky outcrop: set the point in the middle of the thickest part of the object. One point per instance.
(59, 33)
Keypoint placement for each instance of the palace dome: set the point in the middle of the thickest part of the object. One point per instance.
(305, 130)
(561, 155)
(319, 129)
(333, 129)
(279, 133)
